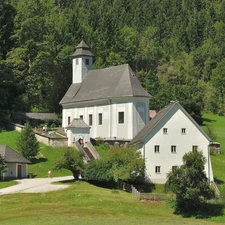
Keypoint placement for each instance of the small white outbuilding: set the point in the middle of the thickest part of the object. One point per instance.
(17, 165)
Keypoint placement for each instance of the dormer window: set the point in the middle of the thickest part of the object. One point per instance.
(87, 61)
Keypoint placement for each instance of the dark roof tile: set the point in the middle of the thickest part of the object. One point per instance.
(12, 156)
(77, 123)
(111, 82)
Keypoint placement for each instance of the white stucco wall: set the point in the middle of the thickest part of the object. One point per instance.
(74, 134)
(80, 69)
(174, 122)
(110, 127)
(12, 170)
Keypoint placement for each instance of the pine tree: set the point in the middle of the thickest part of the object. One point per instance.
(27, 143)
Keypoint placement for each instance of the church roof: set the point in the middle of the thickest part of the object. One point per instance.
(12, 156)
(158, 117)
(111, 82)
(82, 50)
(77, 123)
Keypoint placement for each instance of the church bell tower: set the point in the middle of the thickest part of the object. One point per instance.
(81, 62)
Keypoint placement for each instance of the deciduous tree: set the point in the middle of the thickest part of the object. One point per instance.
(189, 182)
(72, 160)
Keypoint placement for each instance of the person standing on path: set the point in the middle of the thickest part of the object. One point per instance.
(49, 173)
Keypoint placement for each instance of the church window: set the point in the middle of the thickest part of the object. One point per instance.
(77, 62)
(90, 119)
(87, 61)
(68, 120)
(100, 119)
(121, 117)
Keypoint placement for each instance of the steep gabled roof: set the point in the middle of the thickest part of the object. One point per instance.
(159, 116)
(111, 82)
(12, 156)
(77, 123)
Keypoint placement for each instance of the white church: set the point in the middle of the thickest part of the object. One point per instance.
(111, 104)
(111, 101)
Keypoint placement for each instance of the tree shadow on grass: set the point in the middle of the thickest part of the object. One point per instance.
(207, 120)
(38, 160)
(68, 181)
(217, 181)
(205, 211)
(145, 187)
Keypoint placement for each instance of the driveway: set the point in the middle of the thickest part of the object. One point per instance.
(36, 185)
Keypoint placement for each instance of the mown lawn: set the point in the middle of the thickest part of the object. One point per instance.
(84, 203)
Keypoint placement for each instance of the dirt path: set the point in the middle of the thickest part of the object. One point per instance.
(36, 185)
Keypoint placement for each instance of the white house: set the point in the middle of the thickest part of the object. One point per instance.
(111, 101)
(17, 165)
(166, 138)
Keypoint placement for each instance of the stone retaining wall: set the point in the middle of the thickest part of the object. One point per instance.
(43, 137)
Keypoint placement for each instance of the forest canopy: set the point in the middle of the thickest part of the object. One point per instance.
(176, 49)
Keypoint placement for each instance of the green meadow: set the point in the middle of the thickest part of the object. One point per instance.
(85, 203)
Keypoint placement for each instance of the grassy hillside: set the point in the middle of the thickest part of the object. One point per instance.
(217, 125)
(45, 158)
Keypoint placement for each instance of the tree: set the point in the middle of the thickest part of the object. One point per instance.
(27, 143)
(71, 159)
(3, 167)
(119, 164)
(189, 182)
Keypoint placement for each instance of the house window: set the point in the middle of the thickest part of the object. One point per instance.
(173, 149)
(81, 117)
(77, 62)
(90, 119)
(68, 120)
(121, 117)
(174, 168)
(157, 169)
(100, 119)
(183, 130)
(156, 148)
(87, 61)
(194, 148)
(165, 130)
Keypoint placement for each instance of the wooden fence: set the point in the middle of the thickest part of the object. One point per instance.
(144, 196)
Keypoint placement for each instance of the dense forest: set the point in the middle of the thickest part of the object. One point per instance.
(175, 47)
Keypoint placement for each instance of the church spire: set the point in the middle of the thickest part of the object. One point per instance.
(82, 61)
